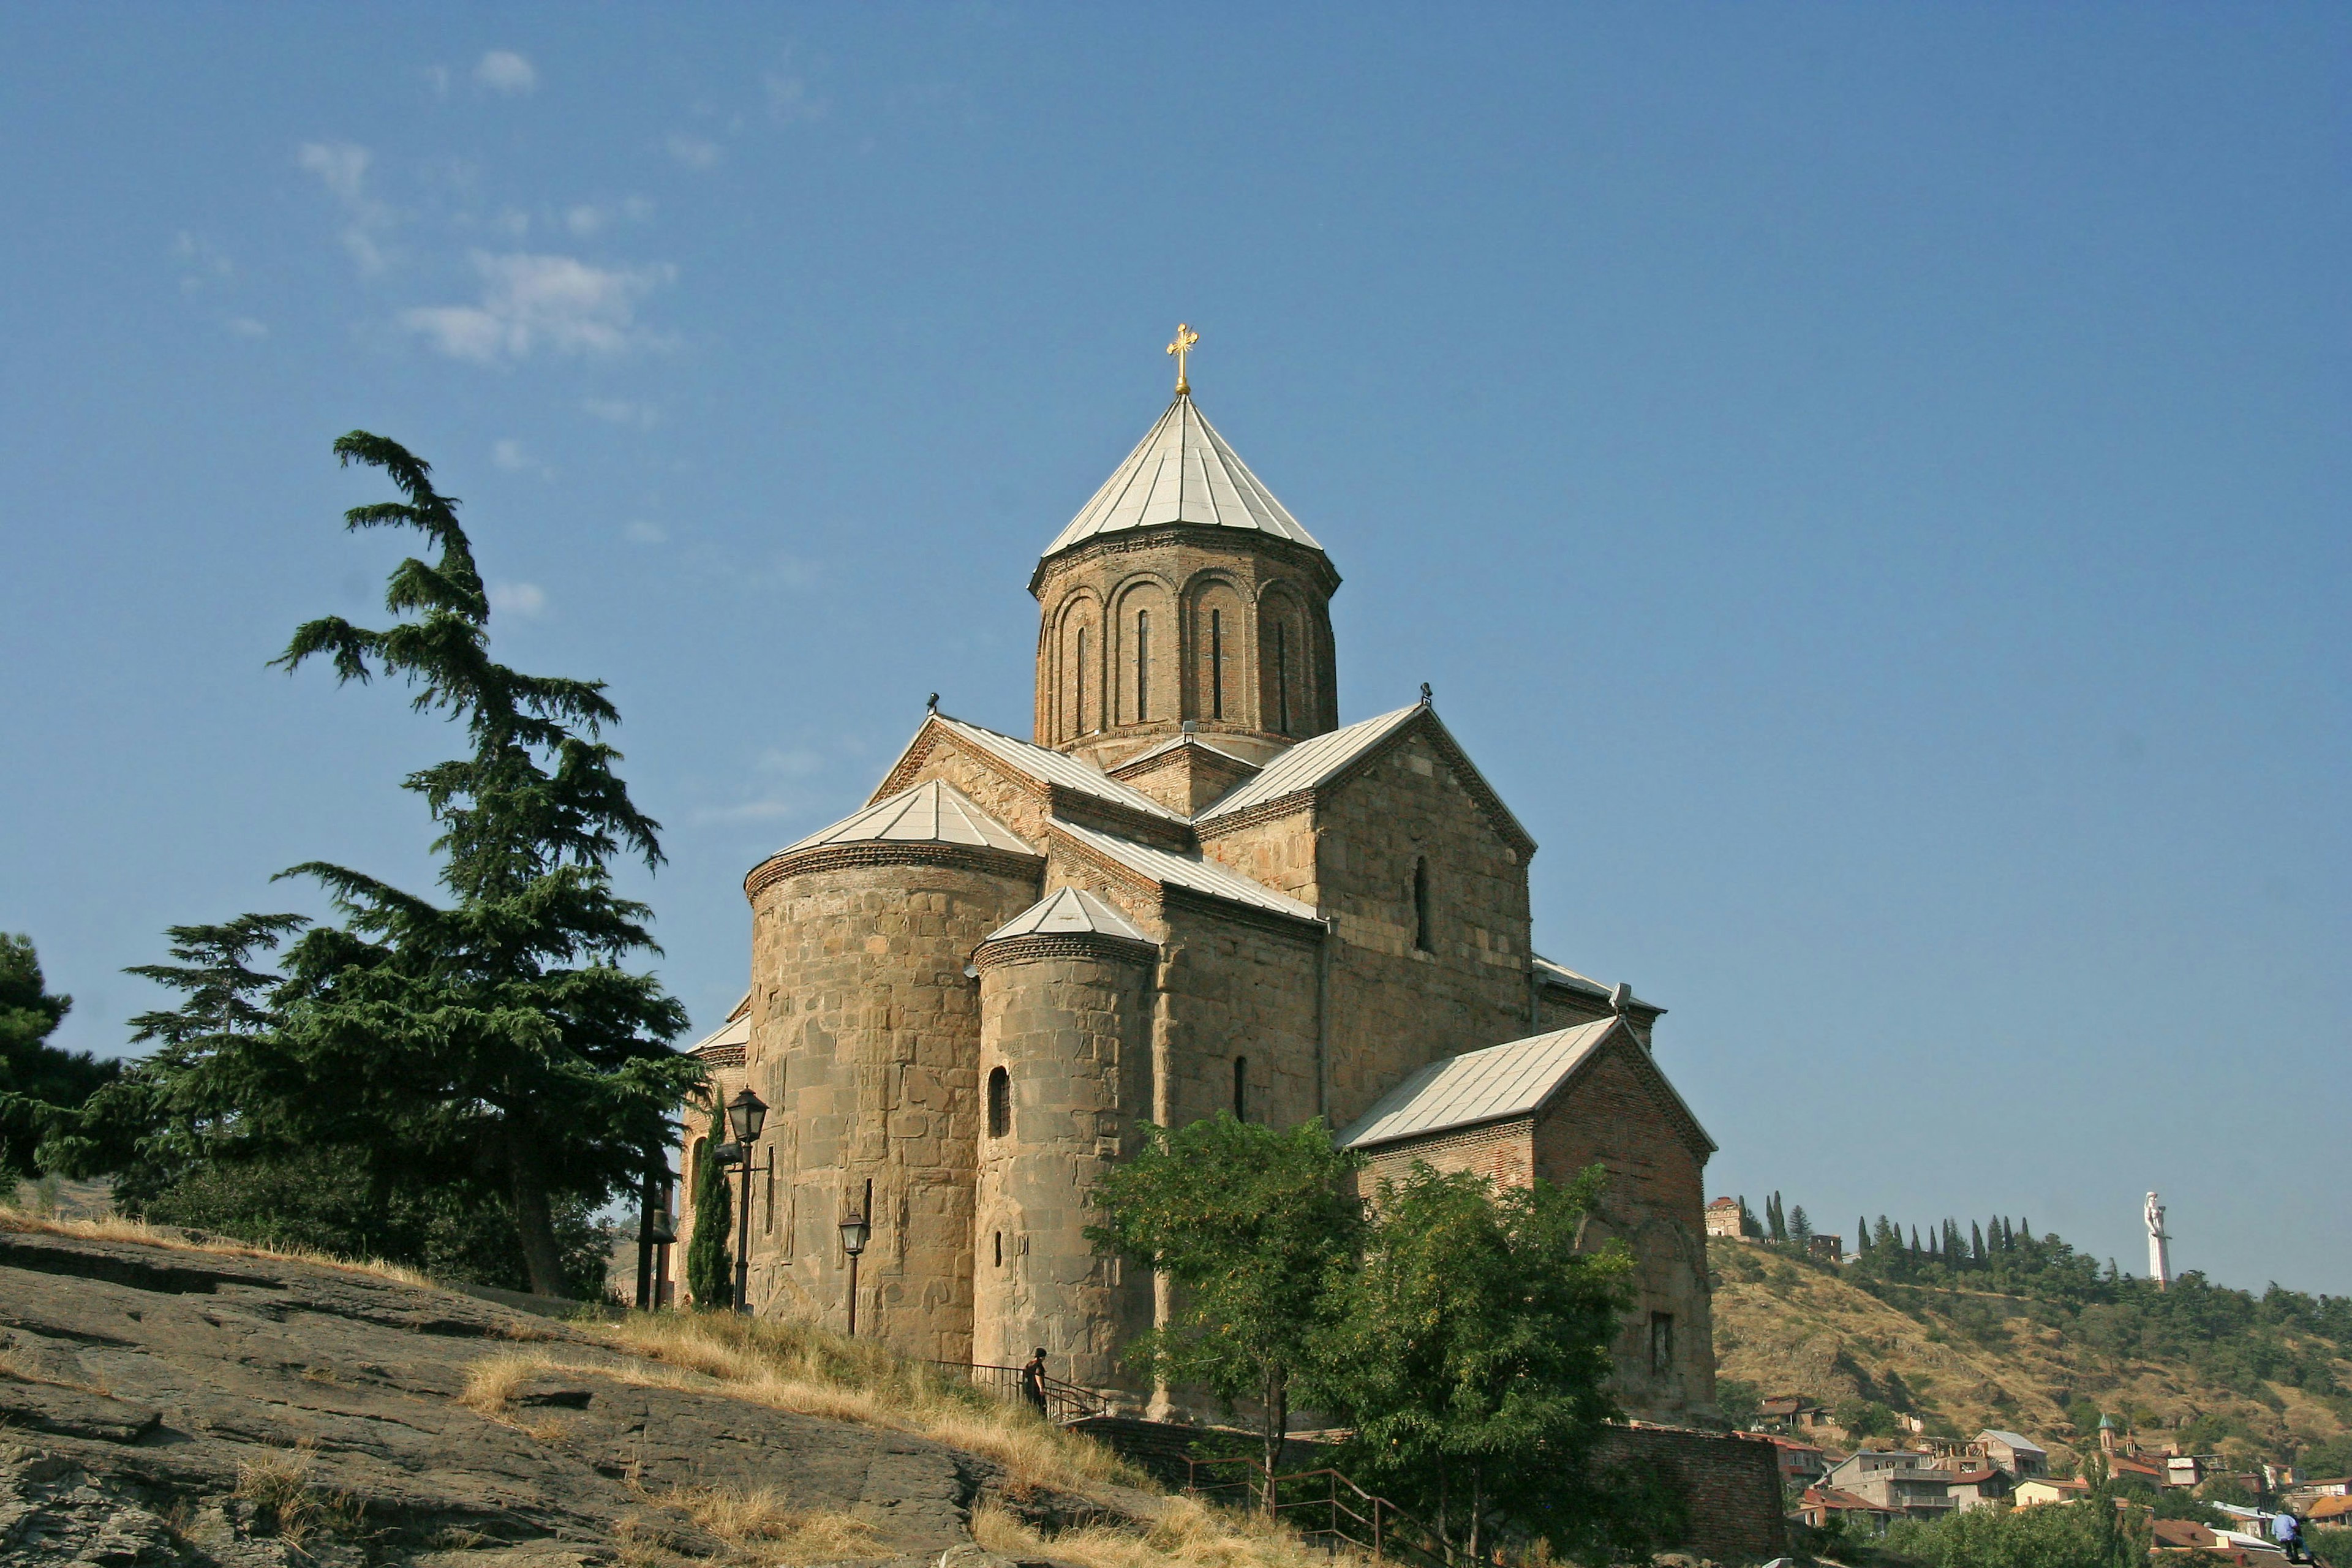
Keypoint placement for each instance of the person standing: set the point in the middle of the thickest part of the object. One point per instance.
(1033, 1381)
(2287, 1530)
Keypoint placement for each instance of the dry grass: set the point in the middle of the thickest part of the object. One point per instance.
(1188, 1534)
(292, 1505)
(792, 1366)
(758, 1527)
(114, 1227)
(492, 1383)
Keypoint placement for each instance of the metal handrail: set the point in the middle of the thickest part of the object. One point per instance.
(1351, 1516)
(1064, 1401)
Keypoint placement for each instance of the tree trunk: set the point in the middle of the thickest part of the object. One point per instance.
(1278, 1424)
(535, 1229)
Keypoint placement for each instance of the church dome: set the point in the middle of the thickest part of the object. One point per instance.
(1182, 472)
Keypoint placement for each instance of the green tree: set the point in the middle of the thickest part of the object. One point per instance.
(1257, 1230)
(710, 1256)
(1801, 1227)
(1863, 1417)
(1477, 1354)
(1861, 1235)
(1774, 1219)
(495, 1042)
(2054, 1535)
(40, 1085)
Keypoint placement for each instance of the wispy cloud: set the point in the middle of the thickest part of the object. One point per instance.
(504, 72)
(527, 600)
(530, 302)
(201, 262)
(586, 219)
(693, 151)
(790, 99)
(342, 168)
(780, 769)
(247, 327)
(644, 532)
(621, 411)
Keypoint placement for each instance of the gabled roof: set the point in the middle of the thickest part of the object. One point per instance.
(1326, 760)
(1506, 1080)
(1551, 972)
(1182, 471)
(2022, 1445)
(736, 1031)
(933, 811)
(1177, 743)
(1188, 872)
(1499, 1083)
(1050, 767)
(1072, 911)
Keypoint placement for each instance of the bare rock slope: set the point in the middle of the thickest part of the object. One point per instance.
(164, 1405)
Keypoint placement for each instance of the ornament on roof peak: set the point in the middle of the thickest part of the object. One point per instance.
(1185, 338)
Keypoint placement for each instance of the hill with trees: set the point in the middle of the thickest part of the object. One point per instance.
(1982, 1325)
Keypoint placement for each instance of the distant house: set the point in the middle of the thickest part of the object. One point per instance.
(1722, 1217)
(1826, 1248)
(2305, 1495)
(1895, 1480)
(1822, 1504)
(1983, 1486)
(2333, 1509)
(2183, 1470)
(2041, 1490)
(2021, 1457)
(1791, 1412)
(2153, 1472)
(1800, 1462)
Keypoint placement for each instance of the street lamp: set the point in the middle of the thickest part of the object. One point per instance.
(853, 1232)
(746, 1114)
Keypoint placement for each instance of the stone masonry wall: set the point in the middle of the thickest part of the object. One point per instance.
(1236, 988)
(1610, 1113)
(1069, 1022)
(1395, 1006)
(866, 1041)
(1729, 1485)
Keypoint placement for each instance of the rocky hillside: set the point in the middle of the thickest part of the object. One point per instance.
(162, 1404)
(1969, 1359)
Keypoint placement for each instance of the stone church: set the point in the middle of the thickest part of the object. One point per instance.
(1191, 890)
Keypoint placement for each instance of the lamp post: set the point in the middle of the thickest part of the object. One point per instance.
(853, 1232)
(665, 1238)
(745, 1113)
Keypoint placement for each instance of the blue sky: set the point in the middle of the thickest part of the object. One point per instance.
(1866, 483)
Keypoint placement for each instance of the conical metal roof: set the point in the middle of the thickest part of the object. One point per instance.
(1182, 471)
(1071, 911)
(929, 813)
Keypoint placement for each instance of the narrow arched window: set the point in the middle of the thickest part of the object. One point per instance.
(768, 1213)
(999, 1103)
(1142, 665)
(1078, 725)
(1422, 935)
(1281, 679)
(1216, 664)
(1000, 1249)
(1241, 1088)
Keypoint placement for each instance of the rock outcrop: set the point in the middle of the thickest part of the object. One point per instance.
(167, 1405)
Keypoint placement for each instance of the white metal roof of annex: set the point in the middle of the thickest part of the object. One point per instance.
(1310, 763)
(1072, 911)
(1052, 767)
(1182, 471)
(1199, 876)
(734, 1032)
(932, 812)
(1501, 1081)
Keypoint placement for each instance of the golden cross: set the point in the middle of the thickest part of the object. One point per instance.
(1185, 338)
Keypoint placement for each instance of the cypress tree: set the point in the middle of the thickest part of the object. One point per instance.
(1776, 1218)
(1976, 1245)
(1861, 1235)
(709, 1261)
(1917, 1251)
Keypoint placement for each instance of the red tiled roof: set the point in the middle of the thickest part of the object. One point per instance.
(2332, 1508)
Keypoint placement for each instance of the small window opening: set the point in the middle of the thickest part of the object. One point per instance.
(1281, 679)
(1079, 722)
(1241, 1088)
(1000, 1249)
(1142, 665)
(1662, 1343)
(999, 1103)
(1422, 936)
(1216, 664)
(768, 1215)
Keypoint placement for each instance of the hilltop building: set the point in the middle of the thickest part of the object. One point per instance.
(1190, 891)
